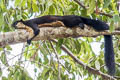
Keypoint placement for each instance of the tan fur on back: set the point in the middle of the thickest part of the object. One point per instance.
(52, 24)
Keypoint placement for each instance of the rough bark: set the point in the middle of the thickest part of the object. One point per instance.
(47, 33)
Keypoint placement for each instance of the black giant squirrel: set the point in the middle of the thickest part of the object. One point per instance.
(71, 21)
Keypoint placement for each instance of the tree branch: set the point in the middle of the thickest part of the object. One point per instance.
(47, 33)
(90, 69)
(84, 7)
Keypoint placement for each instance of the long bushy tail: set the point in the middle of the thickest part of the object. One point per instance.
(96, 24)
(109, 54)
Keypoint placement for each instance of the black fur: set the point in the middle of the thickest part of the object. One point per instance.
(109, 54)
(71, 21)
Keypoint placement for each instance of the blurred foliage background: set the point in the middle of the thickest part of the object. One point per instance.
(46, 59)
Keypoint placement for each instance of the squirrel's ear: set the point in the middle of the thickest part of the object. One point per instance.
(21, 20)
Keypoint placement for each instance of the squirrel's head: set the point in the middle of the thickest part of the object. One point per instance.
(18, 24)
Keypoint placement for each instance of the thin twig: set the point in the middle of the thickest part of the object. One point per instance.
(11, 59)
(58, 60)
(78, 2)
(37, 62)
(23, 49)
(105, 14)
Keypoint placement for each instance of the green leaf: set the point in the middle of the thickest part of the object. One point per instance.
(116, 18)
(97, 65)
(77, 46)
(58, 46)
(23, 3)
(34, 1)
(17, 2)
(0, 72)
(91, 7)
(4, 78)
(43, 75)
(59, 43)
(101, 1)
(4, 59)
(45, 59)
(106, 3)
(87, 2)
(43, 50)
(1, 49)
(111, 26)
(8, 47)
(29, 3)
(1, 19)
(35, 70)
(35, 7)
(52, 9)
